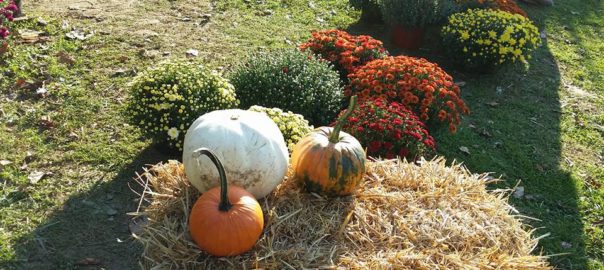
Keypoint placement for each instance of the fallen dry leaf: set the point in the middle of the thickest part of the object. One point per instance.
(42, 91)
(493, 104)
(5, 162)
(192, 53)
(35, 176)
(19, 83)
(79, 34)
(32, 36)
(485, 133)
(3, 48)
(89, 261)
(65, 58)
(46, 122)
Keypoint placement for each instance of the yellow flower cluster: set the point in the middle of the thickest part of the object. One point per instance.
(165, 100)
(483, 37)
(293, 126)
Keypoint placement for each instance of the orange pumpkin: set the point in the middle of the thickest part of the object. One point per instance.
(329, 161)
(226, 220)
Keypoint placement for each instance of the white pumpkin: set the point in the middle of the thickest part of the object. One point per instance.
(249, 144)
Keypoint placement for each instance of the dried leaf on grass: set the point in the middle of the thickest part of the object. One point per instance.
(404, 216)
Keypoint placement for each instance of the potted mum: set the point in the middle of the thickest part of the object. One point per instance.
(370, 10)
(408, 19)
(484, 40)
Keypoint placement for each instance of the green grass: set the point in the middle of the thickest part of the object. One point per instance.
(547, 131)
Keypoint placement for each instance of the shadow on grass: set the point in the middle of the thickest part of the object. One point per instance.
(514, 131)
(92, 225)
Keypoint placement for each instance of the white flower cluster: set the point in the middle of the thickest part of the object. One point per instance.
(165, 100)
(293, 126)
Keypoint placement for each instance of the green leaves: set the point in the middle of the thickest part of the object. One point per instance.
(415, 13)
(290, 80)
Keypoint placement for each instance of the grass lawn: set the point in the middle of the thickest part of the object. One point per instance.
(540, 127)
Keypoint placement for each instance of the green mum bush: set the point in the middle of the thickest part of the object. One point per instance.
(415, 13)
(290, 80)
(485, 39)
(165, 100)
(293, 126)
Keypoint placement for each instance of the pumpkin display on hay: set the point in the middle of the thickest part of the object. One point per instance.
(403, 216)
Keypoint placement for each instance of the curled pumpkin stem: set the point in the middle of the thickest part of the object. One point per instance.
(225, 204)
(335, 134)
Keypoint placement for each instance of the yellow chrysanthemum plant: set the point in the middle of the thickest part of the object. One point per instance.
(166, 99)
(293, 126)
(483, 40)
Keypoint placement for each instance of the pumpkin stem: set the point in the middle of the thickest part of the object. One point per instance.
(225, 204)
(335, 134)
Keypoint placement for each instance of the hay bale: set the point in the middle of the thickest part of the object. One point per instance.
(405, 216)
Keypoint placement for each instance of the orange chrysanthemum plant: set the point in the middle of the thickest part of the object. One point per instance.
(345, 51)
(416, 83)
(510, 6)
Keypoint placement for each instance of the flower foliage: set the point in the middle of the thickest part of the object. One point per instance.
(166, 100)
(293, 126)
(463, 5)
(485, 39)
(510, 6)
(415, 13)
(505, 5)
(290, 80)
(388, 129)
(345, 51)
(417, 84)
(7, 11)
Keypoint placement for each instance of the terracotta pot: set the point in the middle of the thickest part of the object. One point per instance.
(407, 38)
(372, 14)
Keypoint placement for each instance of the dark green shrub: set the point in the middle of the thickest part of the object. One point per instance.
(416, 13)
(290, 80)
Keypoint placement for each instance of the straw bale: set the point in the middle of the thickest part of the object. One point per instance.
(404, 216)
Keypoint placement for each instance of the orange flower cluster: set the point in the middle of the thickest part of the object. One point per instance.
(505, 5)
(510, 6)
(346, 52)
(416, 83)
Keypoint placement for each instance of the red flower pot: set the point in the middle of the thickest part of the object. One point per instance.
(407, 38)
